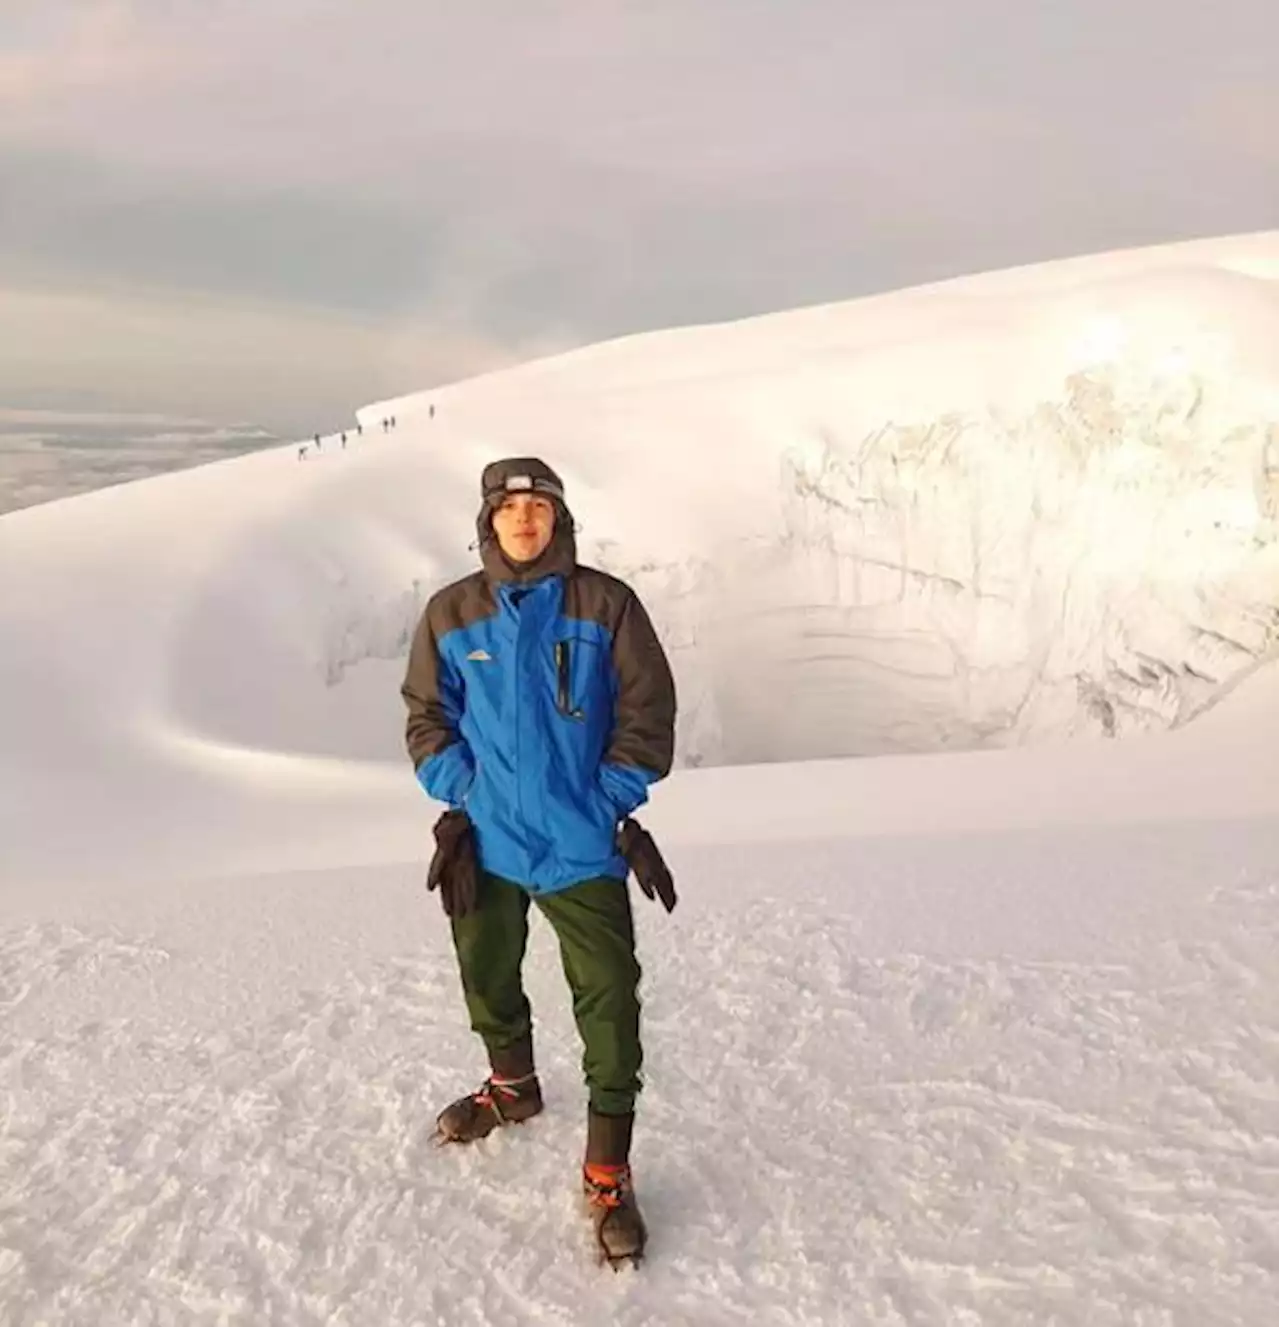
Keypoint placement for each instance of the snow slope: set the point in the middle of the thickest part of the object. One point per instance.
(979, 1036)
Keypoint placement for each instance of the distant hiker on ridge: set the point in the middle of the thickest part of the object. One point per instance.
(541, 708)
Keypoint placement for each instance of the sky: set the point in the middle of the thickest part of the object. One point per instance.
(263, 213)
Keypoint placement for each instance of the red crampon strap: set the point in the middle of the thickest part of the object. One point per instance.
(496, 1089)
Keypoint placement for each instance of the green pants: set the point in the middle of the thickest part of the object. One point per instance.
(592, 922)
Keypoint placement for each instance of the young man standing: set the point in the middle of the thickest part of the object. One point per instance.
(541, 708)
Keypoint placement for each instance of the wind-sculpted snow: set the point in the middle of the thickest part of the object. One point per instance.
(1102, 564)
(362, 628)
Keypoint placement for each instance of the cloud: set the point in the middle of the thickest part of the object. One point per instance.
(40, 467)
(1243, 116)
(290, 368)
(73, 217)
(58, 53)
(373, 94)
(47, 454)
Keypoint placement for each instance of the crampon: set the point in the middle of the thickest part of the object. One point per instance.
(495, 1103)
(610, 1201)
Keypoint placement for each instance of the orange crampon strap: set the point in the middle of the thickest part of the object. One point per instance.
(606, 1184)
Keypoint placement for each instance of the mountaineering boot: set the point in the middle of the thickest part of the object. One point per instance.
(615, 1215)
(608, 1192)
(510, 1095)
(496, 1102)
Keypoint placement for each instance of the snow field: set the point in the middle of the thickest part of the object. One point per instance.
(1061, 1113)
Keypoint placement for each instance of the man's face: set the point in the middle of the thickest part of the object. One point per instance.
(524, 524)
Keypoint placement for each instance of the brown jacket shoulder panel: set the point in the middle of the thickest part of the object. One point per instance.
(592, 595)
(459, 605)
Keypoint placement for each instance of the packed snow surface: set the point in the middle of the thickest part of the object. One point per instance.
(955, 1035)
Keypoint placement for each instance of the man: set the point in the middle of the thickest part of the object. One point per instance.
(541, 709)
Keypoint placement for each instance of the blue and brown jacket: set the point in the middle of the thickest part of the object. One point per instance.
(540, 700)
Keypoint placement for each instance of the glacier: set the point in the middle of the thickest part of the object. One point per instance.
(1006, 509)
(1017, 508)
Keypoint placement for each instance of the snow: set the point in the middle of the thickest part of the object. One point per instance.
(981, 1030)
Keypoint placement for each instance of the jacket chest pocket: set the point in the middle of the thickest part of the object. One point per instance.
(580, 682)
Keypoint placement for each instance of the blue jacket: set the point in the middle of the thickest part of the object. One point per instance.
(545, 707)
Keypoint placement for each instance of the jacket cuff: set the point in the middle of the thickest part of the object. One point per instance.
(448, 775)
(626, 786)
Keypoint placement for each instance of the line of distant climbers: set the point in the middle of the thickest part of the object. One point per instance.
(318, 442)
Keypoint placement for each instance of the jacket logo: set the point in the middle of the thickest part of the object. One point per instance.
(481, 656)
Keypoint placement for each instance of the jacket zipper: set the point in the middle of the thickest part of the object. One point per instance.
(562, 682)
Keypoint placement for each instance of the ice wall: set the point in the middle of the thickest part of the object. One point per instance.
(1098, 562)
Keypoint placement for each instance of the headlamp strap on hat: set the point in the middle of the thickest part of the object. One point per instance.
(527, 484)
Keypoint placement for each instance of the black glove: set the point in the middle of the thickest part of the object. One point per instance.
(636, 844)
(454, 868)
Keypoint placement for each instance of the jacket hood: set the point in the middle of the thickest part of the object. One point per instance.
(524, 474)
